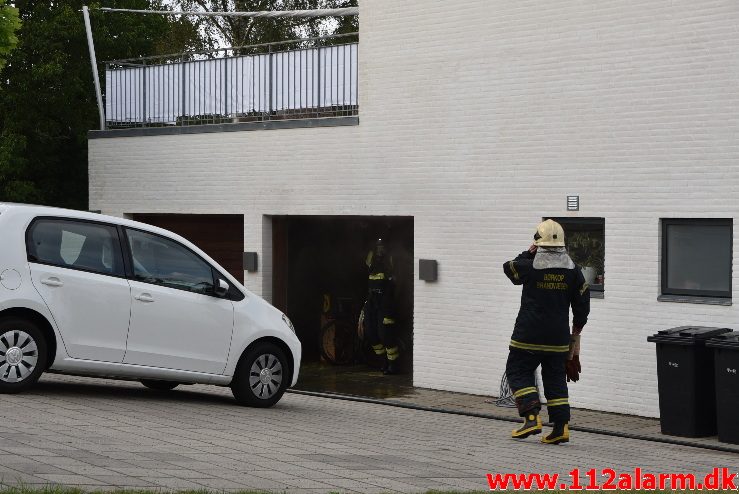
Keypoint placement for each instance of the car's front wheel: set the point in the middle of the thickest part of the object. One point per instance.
(262, 376)
(22, 354)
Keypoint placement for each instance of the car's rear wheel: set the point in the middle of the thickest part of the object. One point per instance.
(262, 376)
(22, 354)
(159, 385)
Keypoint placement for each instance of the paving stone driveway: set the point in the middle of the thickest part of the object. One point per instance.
(101, 434)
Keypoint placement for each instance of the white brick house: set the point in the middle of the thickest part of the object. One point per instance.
(477, 118)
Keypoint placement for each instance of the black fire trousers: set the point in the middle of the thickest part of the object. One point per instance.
(378, 328)
(520, 371)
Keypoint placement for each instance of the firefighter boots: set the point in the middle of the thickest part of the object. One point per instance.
(531, 425)
(390, 368)
(560, 434)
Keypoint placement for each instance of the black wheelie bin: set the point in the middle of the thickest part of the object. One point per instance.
(726, 361)
(685, 379)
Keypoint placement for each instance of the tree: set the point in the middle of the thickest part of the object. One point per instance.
(9, 24)
(47, 97)
(242, 31)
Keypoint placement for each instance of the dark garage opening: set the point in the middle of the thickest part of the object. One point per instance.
(221, 236)
(320, 276)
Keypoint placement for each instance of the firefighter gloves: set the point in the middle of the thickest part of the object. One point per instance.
(572, 366)
(573, 369)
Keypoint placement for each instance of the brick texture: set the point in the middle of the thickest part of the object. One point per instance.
(478, 118)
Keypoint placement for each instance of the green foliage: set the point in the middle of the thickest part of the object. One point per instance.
(345, 25)
(9, 24)
(586, 249)
(47, 97)
(241, 31)
(13, 187)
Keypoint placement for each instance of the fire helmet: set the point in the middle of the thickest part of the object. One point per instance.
(549, 233)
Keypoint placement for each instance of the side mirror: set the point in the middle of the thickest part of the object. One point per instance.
(221, 288)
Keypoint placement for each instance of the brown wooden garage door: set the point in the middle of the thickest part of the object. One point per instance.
(221, 236)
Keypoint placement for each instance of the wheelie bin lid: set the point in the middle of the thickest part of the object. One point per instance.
(687, 335)
(728, 340)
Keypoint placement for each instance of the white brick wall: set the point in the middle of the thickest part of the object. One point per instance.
(479, 122)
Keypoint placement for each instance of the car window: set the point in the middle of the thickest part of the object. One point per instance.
(75, 245)
(165, 262)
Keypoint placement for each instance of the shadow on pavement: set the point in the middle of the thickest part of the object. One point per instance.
(115, 388)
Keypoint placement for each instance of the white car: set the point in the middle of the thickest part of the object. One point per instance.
(87, 294)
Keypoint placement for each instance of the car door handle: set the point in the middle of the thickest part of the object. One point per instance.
(53, 281)
(144, 297)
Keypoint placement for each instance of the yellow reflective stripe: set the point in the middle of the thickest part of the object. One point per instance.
(525, 391)
(379, 349)
(541, 348)
(393, 353)
(388, 320)
(368, 261)
(584, 288)
(377, 276)
(558, 402)
(512, 265)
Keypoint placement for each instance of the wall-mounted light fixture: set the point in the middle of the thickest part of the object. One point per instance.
(428, 270)
(573, 203)
(250, 262)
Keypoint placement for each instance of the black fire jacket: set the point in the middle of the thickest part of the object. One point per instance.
(542, 324)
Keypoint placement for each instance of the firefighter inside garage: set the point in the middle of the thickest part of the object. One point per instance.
(350, 295)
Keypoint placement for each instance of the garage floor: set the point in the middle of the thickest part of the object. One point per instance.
(357, 380)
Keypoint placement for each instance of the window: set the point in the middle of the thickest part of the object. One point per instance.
(696, 257)
(76, 245)
(585, 241)
(164, 262)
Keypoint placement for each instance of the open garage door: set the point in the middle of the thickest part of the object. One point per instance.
(320, 275)
(221, 236)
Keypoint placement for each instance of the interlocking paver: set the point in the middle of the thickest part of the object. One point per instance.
(69, 479)
(173, 483)
(18, 478)
(105, 434)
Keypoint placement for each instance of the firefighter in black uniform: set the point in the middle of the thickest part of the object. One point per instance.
(551, 284)
(379, 317)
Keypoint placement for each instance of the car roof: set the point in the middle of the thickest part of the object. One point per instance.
(32, 210)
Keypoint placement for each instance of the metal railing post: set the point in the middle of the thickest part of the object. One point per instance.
(143, 95)
(320, 82)
(183, 83)
(269, 75)
(94, 63)
(225, 87)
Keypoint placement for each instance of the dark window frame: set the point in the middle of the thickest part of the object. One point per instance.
(664, 224)
(122, 274)
(234, 294)
(596, 221)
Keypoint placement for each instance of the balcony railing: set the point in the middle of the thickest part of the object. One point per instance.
(244, 84)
